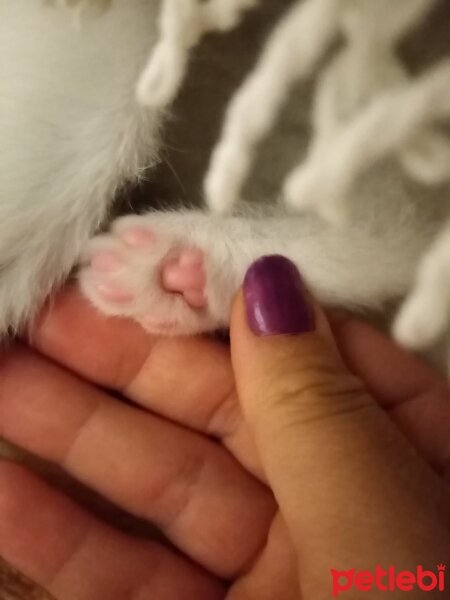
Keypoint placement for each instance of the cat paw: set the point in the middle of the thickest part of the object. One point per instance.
(148, 269)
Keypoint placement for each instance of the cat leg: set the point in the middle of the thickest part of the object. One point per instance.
(177, 273)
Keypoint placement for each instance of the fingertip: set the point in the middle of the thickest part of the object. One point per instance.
(278, 316)
(276, 299)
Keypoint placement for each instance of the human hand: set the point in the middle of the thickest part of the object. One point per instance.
(359, 465)
(156, 458)
(152, 372)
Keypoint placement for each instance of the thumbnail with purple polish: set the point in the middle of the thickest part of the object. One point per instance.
(276, 298)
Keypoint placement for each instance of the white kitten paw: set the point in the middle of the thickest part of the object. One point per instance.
(149, 269)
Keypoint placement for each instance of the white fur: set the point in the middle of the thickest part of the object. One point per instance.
(71, 132)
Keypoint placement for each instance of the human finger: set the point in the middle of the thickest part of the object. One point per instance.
(194, 490)
(76, 557)
(156, 373)
(331, 455)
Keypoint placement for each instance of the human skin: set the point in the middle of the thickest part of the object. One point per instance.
(180, 454)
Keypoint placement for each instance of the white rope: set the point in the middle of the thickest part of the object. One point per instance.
(357, 96)
(427, 157)
(389, 124)
(292, 52)
(425, 315)
(182, 25)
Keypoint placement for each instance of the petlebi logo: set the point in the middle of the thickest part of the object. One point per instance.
(389, 580)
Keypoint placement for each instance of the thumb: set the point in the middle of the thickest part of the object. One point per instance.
(331, 455)
(287, 365)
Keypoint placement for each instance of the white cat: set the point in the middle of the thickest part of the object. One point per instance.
(73, 132)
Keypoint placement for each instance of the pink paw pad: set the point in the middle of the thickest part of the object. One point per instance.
(186, 275)
(138, 237)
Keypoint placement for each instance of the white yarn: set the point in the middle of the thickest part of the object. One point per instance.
(427, 157)
(182, 25)
(392, 122)
(291, 53)
(425, 315)
(350, 137)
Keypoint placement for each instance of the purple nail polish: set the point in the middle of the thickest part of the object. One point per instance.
(276, 299)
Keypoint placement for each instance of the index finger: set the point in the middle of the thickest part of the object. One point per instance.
(190, 380)
(118, 354)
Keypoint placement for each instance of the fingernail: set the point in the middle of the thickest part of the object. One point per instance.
(276, 298)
